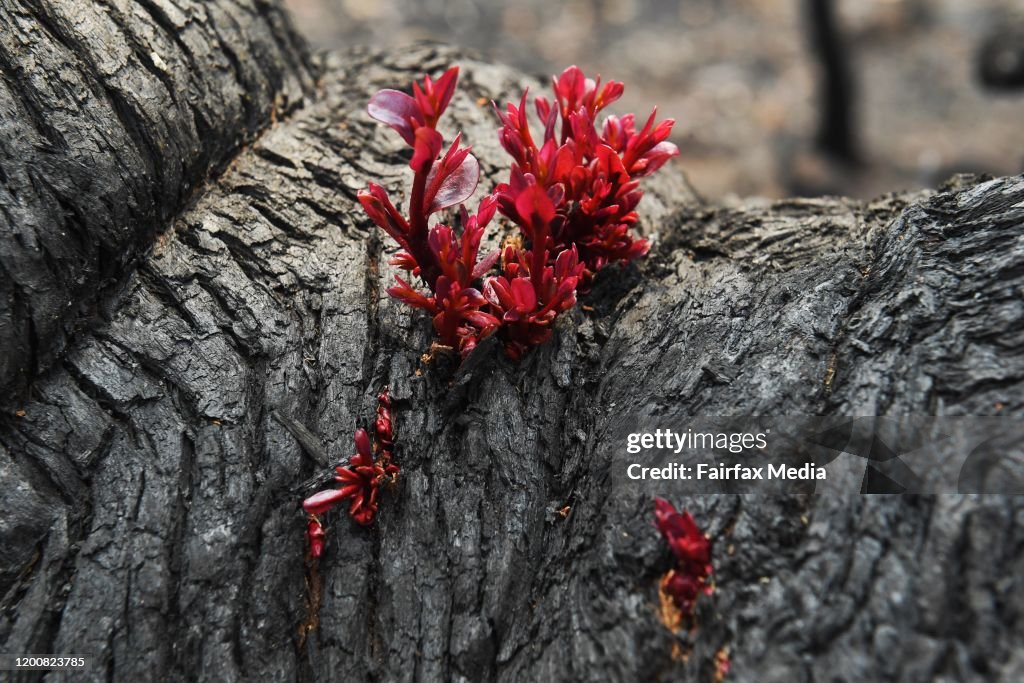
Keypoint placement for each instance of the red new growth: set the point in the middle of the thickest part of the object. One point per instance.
(573, 200)
(360, 479)
(692, 550)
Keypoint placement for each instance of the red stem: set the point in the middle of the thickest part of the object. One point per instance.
(418, 245)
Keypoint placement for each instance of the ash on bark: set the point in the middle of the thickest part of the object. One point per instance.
(149, 515)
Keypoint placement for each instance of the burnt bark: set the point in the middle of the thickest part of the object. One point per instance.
(112, 114)
(150, 515)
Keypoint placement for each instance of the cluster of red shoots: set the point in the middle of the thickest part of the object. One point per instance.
(692, 550)
(360, 479)
(573, 198)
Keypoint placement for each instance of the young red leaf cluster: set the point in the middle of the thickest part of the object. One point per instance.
(370, 466)
(573, 198)
(692, 550)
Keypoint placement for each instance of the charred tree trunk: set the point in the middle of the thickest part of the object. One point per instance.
(150, 517)
(112, 114)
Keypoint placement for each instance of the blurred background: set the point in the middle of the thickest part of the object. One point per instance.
(771, 97)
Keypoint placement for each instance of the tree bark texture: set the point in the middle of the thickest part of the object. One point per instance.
(112, 114)
(150, 514)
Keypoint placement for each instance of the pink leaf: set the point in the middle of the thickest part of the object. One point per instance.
(657, 156)
(485, 321)
(458, 186)
(486, 264)
(323, 501)
(396, 109)
(497, 292)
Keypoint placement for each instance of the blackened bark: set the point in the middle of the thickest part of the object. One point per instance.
(112, 114)
(150, 518)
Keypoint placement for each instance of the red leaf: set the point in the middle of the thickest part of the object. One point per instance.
(405, 261)
(363, 444)
(426, 147)
(535, 207)
(524, 295)
(569, 88)
(565, 160)
(405, 293)
(444, 88)
(612, 91)
(378, 207)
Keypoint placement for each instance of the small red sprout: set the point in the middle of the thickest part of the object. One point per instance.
(723, 664)
(361, 478)
(315, 536)
(445, 261)
(692, 550)
(573, 200)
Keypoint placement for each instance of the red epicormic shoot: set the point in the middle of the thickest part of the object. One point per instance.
(692, 550)
(446, 261)
(573, 200)
(592, 177)
(370, 466)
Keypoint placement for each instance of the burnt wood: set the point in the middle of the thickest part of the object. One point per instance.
(150, 510)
